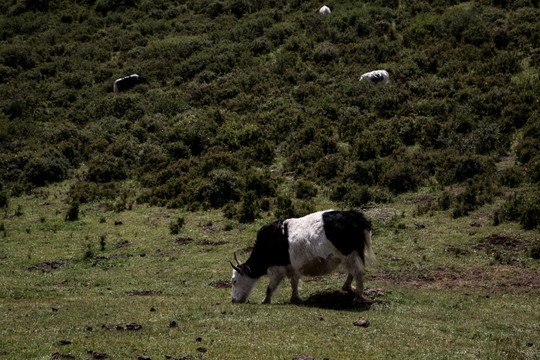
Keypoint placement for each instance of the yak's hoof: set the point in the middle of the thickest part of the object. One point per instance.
(296, 300)
(363, 300)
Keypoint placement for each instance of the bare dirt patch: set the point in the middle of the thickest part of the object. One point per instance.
(500, 241)
(221, 284)
(48, 266)
(121, 327)
(143, 293)
(213, 243)
(122, 244)
(99, 259)
(495, 278)
(182, 241)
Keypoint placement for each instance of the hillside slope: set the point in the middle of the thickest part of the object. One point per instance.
(243, 96)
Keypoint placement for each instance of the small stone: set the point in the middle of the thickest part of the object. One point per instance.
(361, 322)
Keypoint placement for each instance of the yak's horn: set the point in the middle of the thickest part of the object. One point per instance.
(235, 267)
(237, 261)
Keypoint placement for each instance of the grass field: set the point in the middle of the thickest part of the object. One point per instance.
(119, 285)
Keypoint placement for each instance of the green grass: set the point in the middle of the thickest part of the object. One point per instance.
(435, 303)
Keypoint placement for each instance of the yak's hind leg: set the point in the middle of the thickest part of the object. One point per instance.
(355, 267)
(295, 298)
(347, 285)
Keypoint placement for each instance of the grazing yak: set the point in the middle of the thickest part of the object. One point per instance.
(127, 82)
(312, 245)
(377, 77)
(325, 10)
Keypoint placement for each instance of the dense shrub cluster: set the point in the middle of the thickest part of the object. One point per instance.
(242, 94)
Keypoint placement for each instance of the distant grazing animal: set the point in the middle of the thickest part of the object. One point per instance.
(325, 10)
(127, 82)
(377, 77)
(312, 245)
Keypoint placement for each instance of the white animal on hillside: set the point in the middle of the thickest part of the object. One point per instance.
(312, 245)
(325, 10)
(377, 77)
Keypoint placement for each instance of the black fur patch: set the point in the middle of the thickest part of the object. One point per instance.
(345, 230)
(271, 249)
(128, 82)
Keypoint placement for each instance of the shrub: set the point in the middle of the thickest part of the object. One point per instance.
(175, 226)
(401, 177)
(530, 213)
(284, 208)
(4, 199)
(458, 168)
(325, 52)
(260, 182)
(73, 212)
(532, 168)
(84, 191)
(261, 46)
(479, 191)
(305, 189)
(511, 177)
(105, 167)
(47, 167)
(328, 167)
(249, 208)
(351, 194)
(219, 188)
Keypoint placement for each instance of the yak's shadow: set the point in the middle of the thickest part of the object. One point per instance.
(336, 300)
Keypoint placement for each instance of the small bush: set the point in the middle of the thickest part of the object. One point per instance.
(478, 192)
(221, 187)
(47, 167)
(105, 168)
(249, 208)
(285, 208)
(4, 199)
(511, 177)
(261, 182)
(351, 194)
(305, 189)
(535, 252)
(401, 177)
(73, 212)
(458, 168)
(530, 214)
(175, 226)
(325, 52)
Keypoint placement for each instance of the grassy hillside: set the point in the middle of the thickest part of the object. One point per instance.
(120, 211)
(244, 96)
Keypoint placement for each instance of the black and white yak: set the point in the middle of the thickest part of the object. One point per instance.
(376, 77)
(128, 82)
(312, 245)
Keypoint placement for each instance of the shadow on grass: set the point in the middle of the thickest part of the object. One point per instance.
(336, 300)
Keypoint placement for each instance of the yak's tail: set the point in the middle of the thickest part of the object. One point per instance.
(369, 257)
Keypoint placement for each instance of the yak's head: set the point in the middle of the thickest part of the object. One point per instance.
(242, 282)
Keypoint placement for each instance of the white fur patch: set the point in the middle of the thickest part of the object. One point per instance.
(242, 285)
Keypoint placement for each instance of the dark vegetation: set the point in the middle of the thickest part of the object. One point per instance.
(243, 95)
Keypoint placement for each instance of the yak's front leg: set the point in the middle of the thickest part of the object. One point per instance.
(276, 274)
